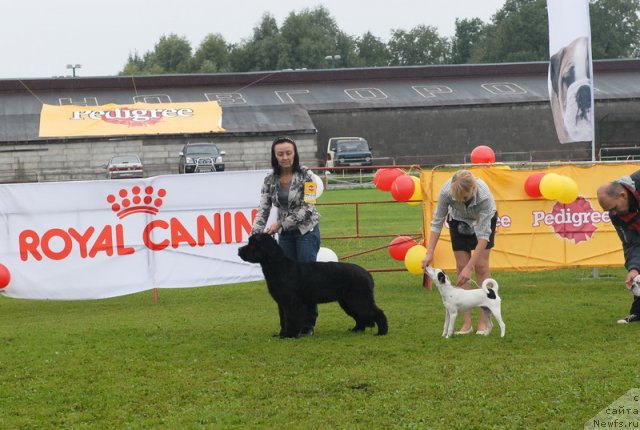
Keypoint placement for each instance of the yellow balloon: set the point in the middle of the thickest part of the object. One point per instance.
(569, 191)
(413, 259)
(417, 192)
(551, 186)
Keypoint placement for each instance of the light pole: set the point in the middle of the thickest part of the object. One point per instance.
(74, 67)
(333, 58)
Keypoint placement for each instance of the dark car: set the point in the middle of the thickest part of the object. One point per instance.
(124, 166)
(348, 151)
(200, 157)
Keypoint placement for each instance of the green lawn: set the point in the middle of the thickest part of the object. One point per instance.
(206, 358)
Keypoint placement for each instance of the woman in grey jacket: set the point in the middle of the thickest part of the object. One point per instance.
(470, 210)
(297, 219)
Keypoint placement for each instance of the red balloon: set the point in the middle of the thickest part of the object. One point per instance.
(5, 276)
(402, 188)
(383, 179)
(399, 246)
(482, 155)
(532, 185)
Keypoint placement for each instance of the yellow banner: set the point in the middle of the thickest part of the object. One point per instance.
(535, 233)
(132, 119)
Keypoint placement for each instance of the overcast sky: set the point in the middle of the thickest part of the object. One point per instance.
(39, 37)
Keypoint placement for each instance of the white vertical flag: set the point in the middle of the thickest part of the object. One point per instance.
(570, 70)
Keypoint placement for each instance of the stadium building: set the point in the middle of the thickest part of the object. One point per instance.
(423, 115)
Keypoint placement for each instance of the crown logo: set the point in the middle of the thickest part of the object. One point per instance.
(138, 200)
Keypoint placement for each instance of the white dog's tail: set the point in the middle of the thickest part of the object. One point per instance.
(490, 283)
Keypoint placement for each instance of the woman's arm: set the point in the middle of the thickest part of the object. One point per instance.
(259, 223)
(431, 247)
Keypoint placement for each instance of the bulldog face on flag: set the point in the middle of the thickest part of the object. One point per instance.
(570, 91)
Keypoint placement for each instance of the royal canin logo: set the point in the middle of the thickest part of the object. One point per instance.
(132, 117)
(135, 202)
(575, 221)
(159, 234)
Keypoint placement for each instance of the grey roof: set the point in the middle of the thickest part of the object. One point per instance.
(281, 100)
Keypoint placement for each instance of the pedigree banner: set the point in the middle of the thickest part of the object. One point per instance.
(98, 239)
(535, 233)
(131, 119)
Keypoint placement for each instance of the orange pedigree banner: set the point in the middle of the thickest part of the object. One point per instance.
(535, 233)
(131, 119)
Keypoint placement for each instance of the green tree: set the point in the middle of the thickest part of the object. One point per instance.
(172, 54)
(309, 36)
(145, 65)
(421, 45)
(263, 51)
(468, 32)
(516, 32)
(371, 51)
(134, 65)
(519, 31)
(615, 28)
(346, 47)
(212, 55)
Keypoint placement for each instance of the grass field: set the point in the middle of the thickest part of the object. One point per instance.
(206, 358)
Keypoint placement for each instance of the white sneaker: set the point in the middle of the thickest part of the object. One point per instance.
(629, 319)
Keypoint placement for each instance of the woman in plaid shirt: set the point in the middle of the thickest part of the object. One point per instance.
(297, 220)
(470, 211)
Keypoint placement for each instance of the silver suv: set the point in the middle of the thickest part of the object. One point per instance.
(200, 157)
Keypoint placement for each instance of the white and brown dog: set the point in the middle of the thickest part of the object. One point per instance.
(570, 92)
(459, 300)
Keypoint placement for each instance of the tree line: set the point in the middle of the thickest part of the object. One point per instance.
(311, 39)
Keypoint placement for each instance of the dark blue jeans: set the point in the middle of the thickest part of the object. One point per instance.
(303, 248)
(635, 306)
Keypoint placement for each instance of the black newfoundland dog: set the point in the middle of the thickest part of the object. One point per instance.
(292, 284)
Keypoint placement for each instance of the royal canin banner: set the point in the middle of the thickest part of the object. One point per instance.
(535, 233)
(131, 119)
(98, 239)
(571, 70)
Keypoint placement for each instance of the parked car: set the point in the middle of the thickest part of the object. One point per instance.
(201, 157)
(348, 151)
(124, 166)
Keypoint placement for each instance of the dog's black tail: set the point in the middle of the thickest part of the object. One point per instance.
(381, 321)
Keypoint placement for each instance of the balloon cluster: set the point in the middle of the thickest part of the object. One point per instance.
(552, 186)
(403, 187)
(404, 248)
(399, 246)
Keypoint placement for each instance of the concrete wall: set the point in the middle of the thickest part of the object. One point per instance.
(430, 136)
(83, 160)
